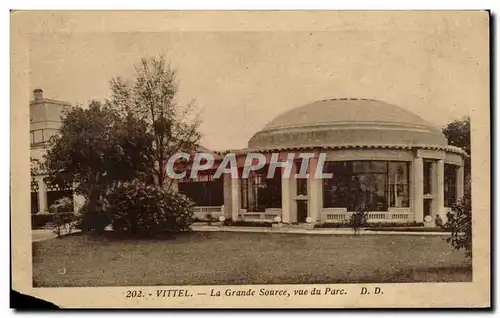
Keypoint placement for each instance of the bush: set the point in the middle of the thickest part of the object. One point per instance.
(64, 223)
(139, 209)
(460, 224)
(93, 220)
(62, 216)
(358, 220)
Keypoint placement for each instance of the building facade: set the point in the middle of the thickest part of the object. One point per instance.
(45, 121)
(391, 162)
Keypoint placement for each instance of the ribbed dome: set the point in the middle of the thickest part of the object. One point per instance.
(344, 122)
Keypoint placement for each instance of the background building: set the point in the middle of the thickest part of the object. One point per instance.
(45, 120)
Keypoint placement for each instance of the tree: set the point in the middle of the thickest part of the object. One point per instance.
(460, 219)
(94, 150)
(458, 133)
(150, 98)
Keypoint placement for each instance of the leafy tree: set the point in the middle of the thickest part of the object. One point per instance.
(94, 150)
(460, 219)
(458, 133)
(150, 98)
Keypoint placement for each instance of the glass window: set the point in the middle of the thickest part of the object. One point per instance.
(373, 185)
(335, 190)
(450, 185)
(204, 191)
(399, 188)
(261, 193)
(301, 186)
(427, 177)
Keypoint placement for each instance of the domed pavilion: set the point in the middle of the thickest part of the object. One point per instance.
(383, 159)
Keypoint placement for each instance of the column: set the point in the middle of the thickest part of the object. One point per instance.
(313, 191)
(460, 182)
(42, 195)
(235, 198)
(439, 196)
(286, 195)
(292, 213)
(418, 189)
(227, 196)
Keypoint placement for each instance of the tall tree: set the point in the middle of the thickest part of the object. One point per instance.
(150, 97)
(94, 149)
(458, 133)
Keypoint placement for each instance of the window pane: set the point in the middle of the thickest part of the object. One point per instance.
(301, 186)
(427, 177)
(399, 195)
(202, 192)
(450, 184)
(367, 191)
(369, 166)
(356, 185)
(335, 189)
(264, 193)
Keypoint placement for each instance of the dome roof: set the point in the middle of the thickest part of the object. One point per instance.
(347, 122)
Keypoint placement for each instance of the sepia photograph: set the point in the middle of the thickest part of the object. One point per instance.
(252, 159)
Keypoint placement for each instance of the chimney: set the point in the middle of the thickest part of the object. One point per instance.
(38, 94)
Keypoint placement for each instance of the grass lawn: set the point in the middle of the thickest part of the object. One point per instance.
(206, 258)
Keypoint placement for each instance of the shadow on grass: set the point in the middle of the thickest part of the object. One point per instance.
(429, 275)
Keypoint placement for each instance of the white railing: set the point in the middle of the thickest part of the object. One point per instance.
(339, 215)
(268, 215)
(202, 212)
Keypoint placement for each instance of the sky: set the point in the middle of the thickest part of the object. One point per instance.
(242, 80)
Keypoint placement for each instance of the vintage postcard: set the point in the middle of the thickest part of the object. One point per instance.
(251, 159)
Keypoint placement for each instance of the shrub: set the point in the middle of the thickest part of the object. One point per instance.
(93, 220)
(358, 220)
(64, 223)
(139, 209)
(61, 205)
(62, 216)
(209, 218)
(460, 224)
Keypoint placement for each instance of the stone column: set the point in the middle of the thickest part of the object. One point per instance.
(439, 191)
(460, 182)
(418, 189)
(228, 208)
(42, 195)
(313, 191)
(286, 195)
(235, 198)
(292, 213)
